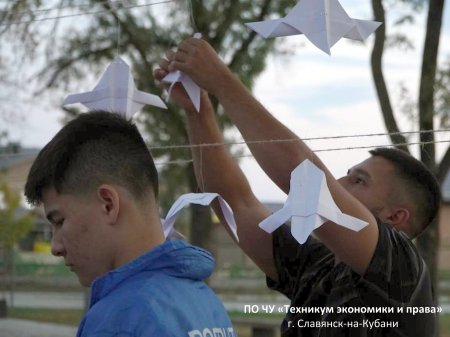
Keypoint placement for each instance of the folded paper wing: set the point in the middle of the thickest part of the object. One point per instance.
(323, 22)
(116, 92)
(192, 89)
(173, 234)
(199, 199)
(309, 205)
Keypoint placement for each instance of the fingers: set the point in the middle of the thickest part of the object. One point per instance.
(159, 73)
(162, 71)
(164, 64)
(186, 51)
(189, 45)
(179, 61)
(180, 55)
(184, 58)
(170, 55)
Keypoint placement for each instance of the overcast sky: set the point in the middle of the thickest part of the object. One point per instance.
(316, 95)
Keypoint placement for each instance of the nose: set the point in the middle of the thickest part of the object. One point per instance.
(345, 182)
(342, 180)
(57, 246)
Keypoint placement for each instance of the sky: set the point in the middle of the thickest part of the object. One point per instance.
(315, 94)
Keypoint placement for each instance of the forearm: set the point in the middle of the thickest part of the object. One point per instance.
(211, 161)
(216, 171)
(263, 133)
(279, 159)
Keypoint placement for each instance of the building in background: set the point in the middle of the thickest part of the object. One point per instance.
(15, 163)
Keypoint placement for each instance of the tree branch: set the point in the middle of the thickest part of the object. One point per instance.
(62, 64)
(246, 43)
(427, 81)
(132, 37)
(378, 77)
(443, 167)
(221, 31)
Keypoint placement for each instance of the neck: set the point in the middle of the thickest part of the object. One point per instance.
(140, 233)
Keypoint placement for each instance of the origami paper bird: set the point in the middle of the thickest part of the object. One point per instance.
(309, 205)
(323, 22)
(200, 199)
(192, 89)
(116, 92)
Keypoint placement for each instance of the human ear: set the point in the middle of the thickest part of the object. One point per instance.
(398, 218)
(110, 201)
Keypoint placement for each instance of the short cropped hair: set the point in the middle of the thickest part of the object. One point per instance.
(94, 148)
(420, 184)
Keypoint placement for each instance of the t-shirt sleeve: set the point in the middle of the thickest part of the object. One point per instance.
(394, 272)
(291, 259)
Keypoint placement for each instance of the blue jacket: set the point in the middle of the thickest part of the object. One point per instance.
(159, 294)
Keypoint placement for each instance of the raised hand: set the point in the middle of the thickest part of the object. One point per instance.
(178, 93)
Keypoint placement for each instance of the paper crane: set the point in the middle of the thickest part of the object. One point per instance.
(200, 199)
(116, 92)
(192, 89)
(309, 205)
(324, 22)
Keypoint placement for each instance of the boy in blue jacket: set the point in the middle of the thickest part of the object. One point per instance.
(99, 187)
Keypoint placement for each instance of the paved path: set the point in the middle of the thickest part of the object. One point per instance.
(53, 300)
(10, 327)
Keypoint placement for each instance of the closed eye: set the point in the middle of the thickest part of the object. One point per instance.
(59, 223)
(359, 181)
(358, 176)
(55, 218)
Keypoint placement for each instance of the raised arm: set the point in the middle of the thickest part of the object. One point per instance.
(196, 58)
(216, 171)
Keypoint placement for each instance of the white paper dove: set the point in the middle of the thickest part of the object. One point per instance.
(324, 22)
(309, 205)
(200, 199)
(116, 92)
(192, 89)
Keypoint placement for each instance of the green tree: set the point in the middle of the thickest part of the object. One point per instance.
(13, 227)
(431, 105)
(142, 35)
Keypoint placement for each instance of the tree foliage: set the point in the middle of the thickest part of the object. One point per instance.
(13, 226)
(78, 48)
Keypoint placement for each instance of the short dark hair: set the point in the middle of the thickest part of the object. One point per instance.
(94, 148)
(421, 184)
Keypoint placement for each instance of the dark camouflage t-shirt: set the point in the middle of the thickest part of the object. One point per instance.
(341, 302)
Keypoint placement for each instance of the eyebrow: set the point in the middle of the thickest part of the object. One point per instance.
(360, 171)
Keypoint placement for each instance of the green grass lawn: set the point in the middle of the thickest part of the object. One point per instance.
(60, 316)
(444, 323)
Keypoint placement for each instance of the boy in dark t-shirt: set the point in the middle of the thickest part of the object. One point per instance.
(356, 276)
(339, 300)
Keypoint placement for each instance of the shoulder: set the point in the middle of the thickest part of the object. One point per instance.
(396, 270)
(120, 316)
(394, 250)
